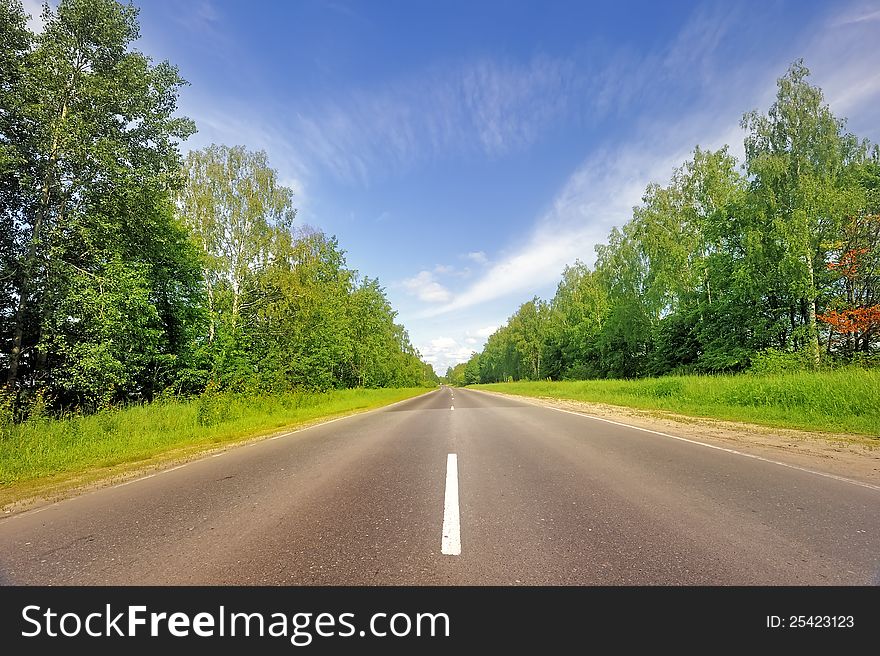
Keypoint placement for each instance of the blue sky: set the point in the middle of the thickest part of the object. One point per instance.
(465, 152)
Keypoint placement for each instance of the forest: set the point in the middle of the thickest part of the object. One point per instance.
(767, 265)
(130, 273)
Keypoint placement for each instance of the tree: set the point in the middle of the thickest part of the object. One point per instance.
(797, 156)
(89, 158)
(625, 339)
(682, 235)
(15, 46)
(854, 313)
(233, 205)
(295, 330)
(527, 331)
(577, 313)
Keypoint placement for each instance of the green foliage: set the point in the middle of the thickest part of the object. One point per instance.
(91, 284)
(775, 361)
(211, 406)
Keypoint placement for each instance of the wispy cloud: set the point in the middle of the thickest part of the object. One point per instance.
(538, 263)
(845, 61)
(489, 106)
(201, 17)
(695, 47)
(509, 105)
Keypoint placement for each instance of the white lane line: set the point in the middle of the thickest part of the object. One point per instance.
(451, 543)
(842, 479)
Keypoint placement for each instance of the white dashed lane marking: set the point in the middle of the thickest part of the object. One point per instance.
(451, 543)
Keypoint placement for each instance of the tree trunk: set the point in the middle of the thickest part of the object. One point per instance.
(813, 333)
(210, 289)
(18, 337)
(26, 272)
(236, 304)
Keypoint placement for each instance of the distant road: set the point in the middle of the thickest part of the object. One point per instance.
(530, 495)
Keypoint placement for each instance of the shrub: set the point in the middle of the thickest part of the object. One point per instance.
(776, 361)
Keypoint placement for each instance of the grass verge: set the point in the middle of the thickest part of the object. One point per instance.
(839, 401)
(43, 458)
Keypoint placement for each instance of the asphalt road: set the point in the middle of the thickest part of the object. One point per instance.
(543, 497)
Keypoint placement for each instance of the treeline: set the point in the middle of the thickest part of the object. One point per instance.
(126, 272)
(770, 265)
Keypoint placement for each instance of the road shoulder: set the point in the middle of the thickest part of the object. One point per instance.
(850, 456)
(16, 499)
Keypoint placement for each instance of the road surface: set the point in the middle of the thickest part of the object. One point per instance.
(458, 487)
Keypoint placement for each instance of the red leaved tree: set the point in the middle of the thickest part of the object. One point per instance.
(853, 317)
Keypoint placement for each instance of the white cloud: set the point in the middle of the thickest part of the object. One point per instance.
(452, 271)
(445, 352)
(479, 257)
(484, 332)
(538, 263)
(424, 287)
(479, 336)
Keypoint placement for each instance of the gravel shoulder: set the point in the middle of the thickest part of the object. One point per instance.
(851, 456)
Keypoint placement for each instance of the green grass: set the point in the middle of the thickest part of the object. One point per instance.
(52, 454)
(839, 401)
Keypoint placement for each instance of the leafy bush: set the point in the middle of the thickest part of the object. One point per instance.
(775, 361)
(212, 406)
